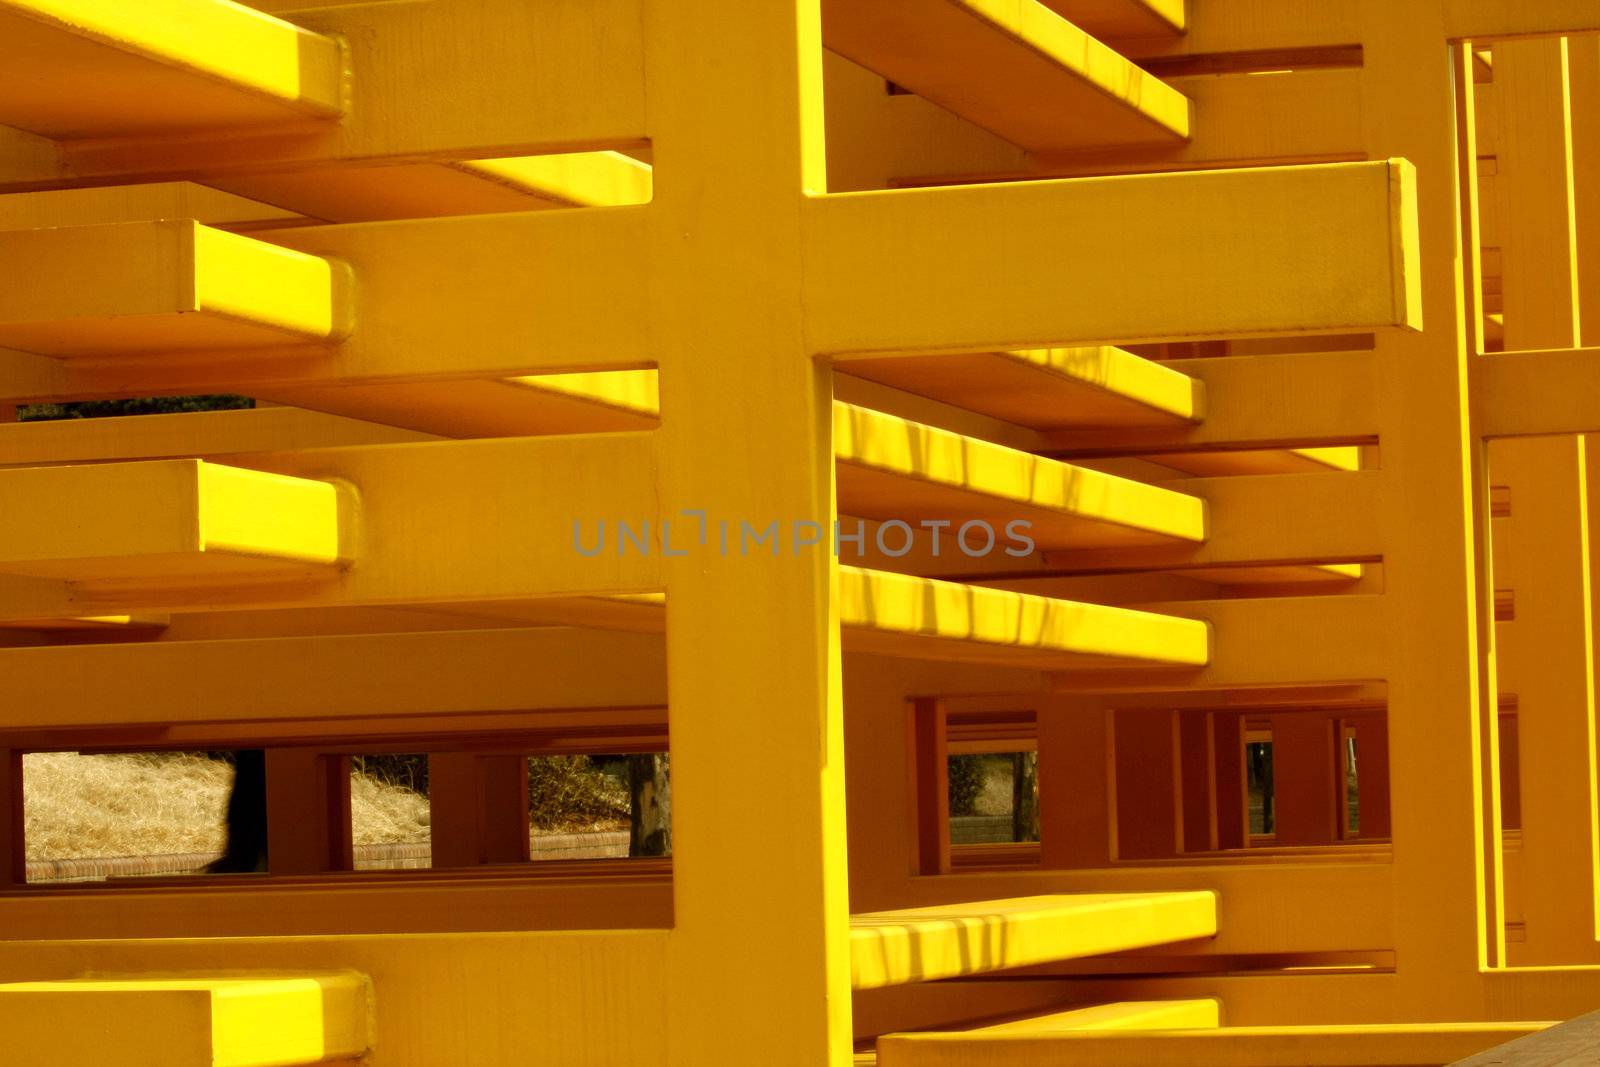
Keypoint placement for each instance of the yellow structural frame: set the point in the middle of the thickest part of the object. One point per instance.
(724, 304)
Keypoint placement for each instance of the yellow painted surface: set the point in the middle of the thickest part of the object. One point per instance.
(925, 944)
(1127, 1015)
(98, 68)
(893, 468)
(1048, 387)
(1014, 68)
(1241, 267)
(169, 520)
(266, 1021)
(1264, 1046)
(976, 620)
(155, 287)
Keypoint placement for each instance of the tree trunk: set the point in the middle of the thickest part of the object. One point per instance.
(650, 814)
(1025, 796)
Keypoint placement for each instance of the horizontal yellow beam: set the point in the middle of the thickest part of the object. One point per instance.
(1014, 68)
(188, 1022)
(1227, 463)
(266, 679)
(1203, 1014)
(1265, 519)
(592, 402)
(1113, 19)
(903, 615)
(947, 941)
(1257, 401)
(100, 68)
(1377, 1045)
(207, 434)
(582, 63)
(1048, 388)
(465, 187)
(507, 508)
(502, 295)
(1338, 640)
(892, 468)
(1544, 392)
(1327, 248)
(155, 287)
(167, 520)
(134, 203)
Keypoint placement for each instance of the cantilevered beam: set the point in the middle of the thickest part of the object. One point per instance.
(898, 614)
(260, 1021)
(582, 63)
(158, 287)
(1378, 1045)
(1112, 20)
(463, 187)
(1047, 388)
(503, 295)
(1201, 1014)
(1017, 69)
(929, 943)
(506, 507)
(167, 520)
(892, 468)
(1328, 248)
(91, 68)
(207, 434)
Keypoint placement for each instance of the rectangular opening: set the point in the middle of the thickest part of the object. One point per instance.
(1258, 782)
(994, 797)
(1350, 781)
(390, 825)
(88, 818)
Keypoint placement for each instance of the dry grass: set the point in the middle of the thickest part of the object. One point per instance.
(161, 804)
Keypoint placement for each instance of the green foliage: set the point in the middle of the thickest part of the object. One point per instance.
(150, 405)
(967, 775)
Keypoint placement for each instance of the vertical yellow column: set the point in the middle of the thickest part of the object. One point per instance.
(1550, 640)
(1539, 229)
(760, 954)
(1583, 74)
(1442, 903)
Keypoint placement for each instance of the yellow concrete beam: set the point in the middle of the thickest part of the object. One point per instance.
(584, 402)
(507, 507)
(207, 434)
(892, 468)
(395, 676)
(1202, 1014)
(1328, 248)
(155, 287)
(583, 64)
(947, 941)
(1259, 401)
(188, 1022)
(1111, 20)
(167, 520)
(1048, 388)
(902, 615)
(1339, 640)
(462, 187)
(1014, 68)
(1222, 463)
(1528, 393)
(137, 203)
(99, 68)
(1377, 1045)
(1271, 519)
